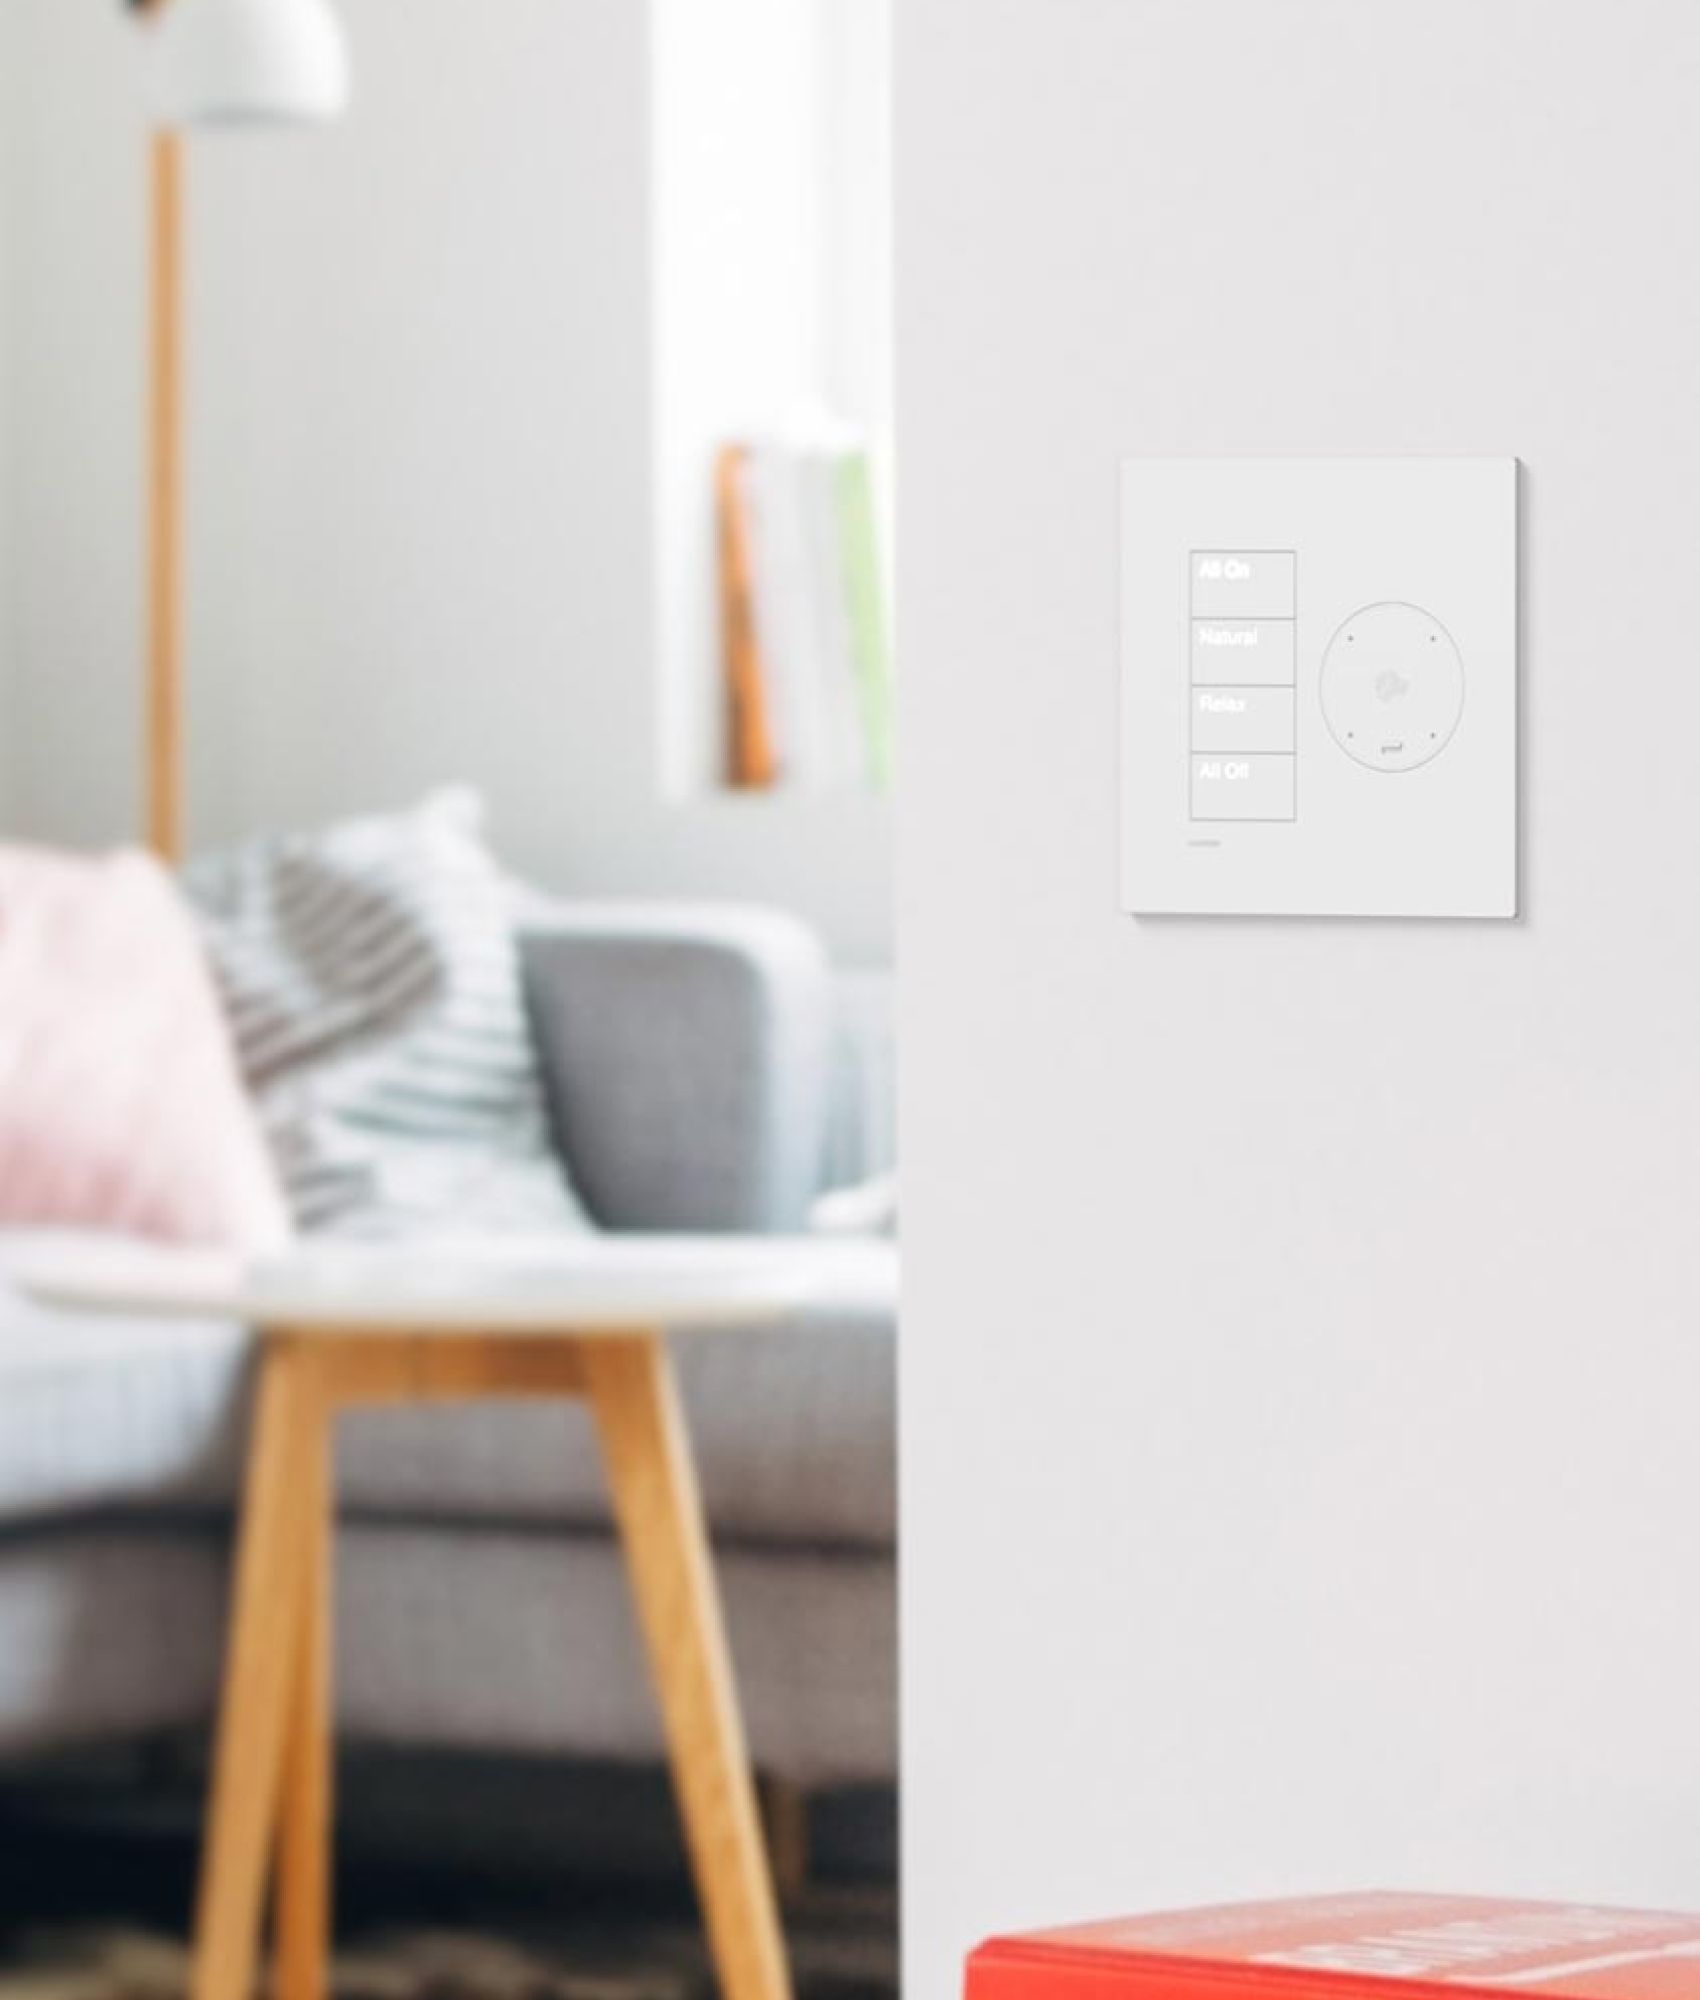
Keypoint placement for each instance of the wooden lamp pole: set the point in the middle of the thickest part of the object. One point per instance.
(229, 62)
(163, 695)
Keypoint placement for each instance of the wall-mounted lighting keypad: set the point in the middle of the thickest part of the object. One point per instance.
(1243, 746)
(1320, 686)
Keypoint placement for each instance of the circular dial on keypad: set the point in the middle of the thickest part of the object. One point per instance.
(1392, 686)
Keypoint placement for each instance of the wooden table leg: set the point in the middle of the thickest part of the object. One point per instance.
(653, 1481)
(303, 1905)
(262, 1663)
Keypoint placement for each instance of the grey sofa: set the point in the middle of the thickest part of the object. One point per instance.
(702, 1081)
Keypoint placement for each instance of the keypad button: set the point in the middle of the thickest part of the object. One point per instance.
(1244, 718)
(1244, 583)
(1244, 652)
(1251, 787)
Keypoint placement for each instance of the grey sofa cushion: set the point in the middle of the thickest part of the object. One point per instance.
(527, 1642)
(793, 1424)
(102, 1412)
(861, 1138)
(469, 1637)
(687, 1052)
(107, 1631)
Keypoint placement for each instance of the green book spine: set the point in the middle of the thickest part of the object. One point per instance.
(870, 624)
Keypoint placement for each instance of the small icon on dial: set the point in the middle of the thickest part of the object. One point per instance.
(1392, 687)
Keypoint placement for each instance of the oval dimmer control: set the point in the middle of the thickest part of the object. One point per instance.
(1392, 687)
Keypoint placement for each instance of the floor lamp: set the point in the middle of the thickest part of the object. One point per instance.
(213, 63)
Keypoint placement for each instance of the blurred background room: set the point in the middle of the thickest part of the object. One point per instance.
(445, 522)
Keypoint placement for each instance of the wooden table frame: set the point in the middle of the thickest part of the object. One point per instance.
(270, 1812)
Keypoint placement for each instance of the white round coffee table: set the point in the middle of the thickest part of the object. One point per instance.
(341, 1326)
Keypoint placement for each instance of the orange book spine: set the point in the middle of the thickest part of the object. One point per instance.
(751, 763)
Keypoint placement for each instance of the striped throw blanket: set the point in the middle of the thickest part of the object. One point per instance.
(374, 990)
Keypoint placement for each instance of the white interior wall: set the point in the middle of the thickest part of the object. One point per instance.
(74, 382)
(854, 55)
(1300, 1355)
(421, 541)
(739, 221)
(771, 309)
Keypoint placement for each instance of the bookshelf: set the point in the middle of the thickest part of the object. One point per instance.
(770, 196)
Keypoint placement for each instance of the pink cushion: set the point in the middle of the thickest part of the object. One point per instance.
(120, 1105)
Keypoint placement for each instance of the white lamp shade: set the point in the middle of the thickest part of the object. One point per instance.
(224, 62)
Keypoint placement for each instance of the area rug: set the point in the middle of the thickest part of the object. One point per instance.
(841, 1949)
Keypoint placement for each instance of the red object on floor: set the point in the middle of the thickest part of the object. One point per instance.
(1372, 1946)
